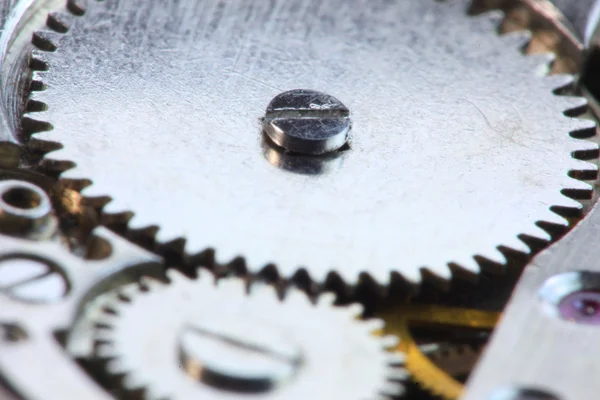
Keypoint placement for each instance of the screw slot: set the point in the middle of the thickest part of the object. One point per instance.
(238, 355)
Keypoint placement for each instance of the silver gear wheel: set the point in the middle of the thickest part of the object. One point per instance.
(200, 339)
(459, 144)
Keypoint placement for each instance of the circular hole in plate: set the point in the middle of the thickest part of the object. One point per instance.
(22, 197)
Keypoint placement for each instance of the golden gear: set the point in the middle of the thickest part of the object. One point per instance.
(423, 370)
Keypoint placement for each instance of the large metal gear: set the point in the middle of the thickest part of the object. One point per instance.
(159, 104)
(201, 339)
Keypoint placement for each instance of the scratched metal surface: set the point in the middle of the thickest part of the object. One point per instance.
(161, 108)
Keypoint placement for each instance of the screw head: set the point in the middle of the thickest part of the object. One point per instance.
(237, 354)
(307, 122)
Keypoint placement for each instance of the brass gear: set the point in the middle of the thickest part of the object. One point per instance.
(422, 368)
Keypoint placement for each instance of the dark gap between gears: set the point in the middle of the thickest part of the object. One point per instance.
(590, 77)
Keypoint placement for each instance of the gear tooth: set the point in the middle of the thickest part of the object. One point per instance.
(114, 207)
(46, 40)
(265, 292)
(42, 57)
(555, 219)
(582, 145)
(412, 275)
(355, 310)
(558, 82)
(104, 334)
(40, 117)
(62, 154)
(572, 104)
(163, 235)
(582, 128)
(517, 39)
(41, 77)
(137, 223)
(396, 358)
(59, 21)
(92, 191)
(104, 351)
(115, 367)
(380, 275)
(515, 243)
(537, 232)
(494, 256)
(77, 7)
(236, 285)
(470, 265)
(327, 299)
(346, 276)
(43, 135)
(442, 272)
(492, 18)
(129, 291)
(72, 174)
(224, 257)
(149, 283)
(389, 341)
(576, 184)
(374, 325)
(131, 382)
(582, 166)
(399, 374)
(541, 62)
(566, 202)
(176, 277)
(393, 389)
(41, 97)
(297, 296)
(205, 277)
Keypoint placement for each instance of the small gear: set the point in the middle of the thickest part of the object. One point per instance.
(159, 104)
(423, 368)
(197, 339)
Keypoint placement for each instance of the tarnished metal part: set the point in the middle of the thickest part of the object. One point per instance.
(254, 344)
(422, 368)
(475, 119)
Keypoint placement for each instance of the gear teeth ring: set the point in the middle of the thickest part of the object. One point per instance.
(205, 305)
(44, 123)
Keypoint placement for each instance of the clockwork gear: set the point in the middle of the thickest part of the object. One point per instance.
(445, 115)
(197, 339)
(428, 370)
